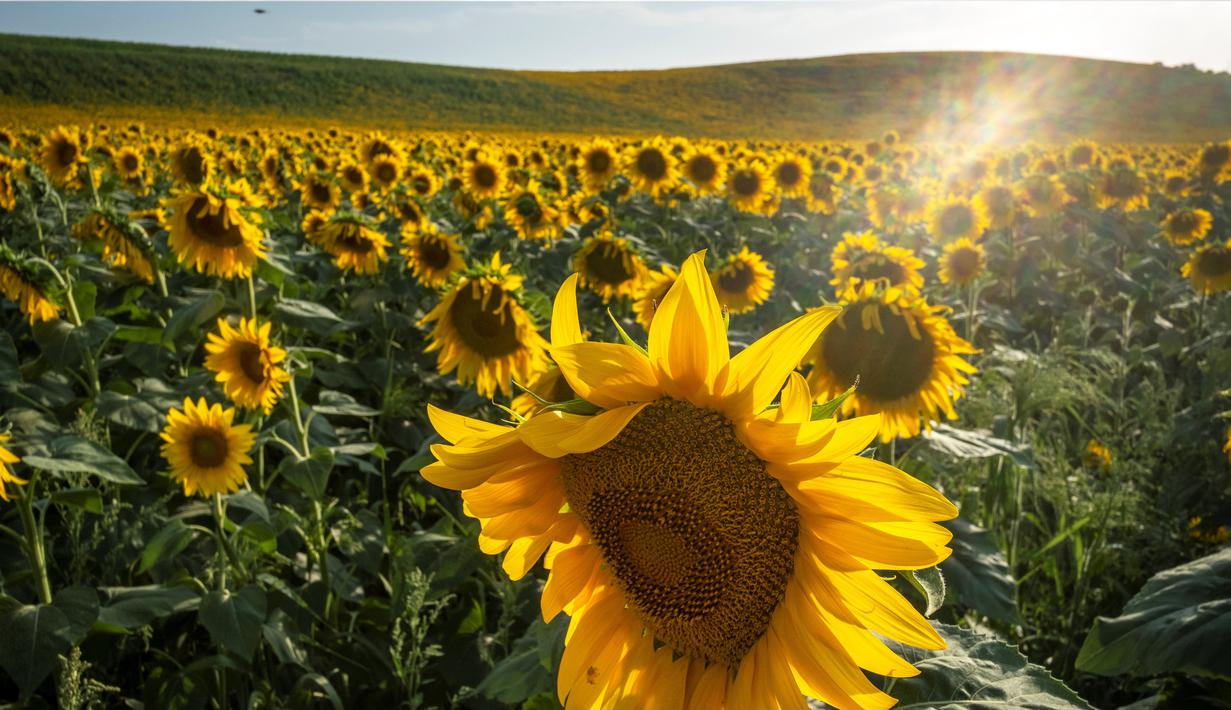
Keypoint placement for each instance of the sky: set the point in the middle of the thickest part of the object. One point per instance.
(580, 36)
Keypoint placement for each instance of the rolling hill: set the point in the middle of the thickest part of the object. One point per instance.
(930, 96)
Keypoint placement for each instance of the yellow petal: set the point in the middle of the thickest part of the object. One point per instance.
(796, 405)
(570, 571)
(607, 374)
(688, 338)
(556, 434)
(868, 490)
(565, 328)
(754, 377)
(455, 427)
(891, 545)
(711, 691)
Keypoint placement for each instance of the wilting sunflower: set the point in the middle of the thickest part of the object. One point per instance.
(710, 550)
(1209, 268)
(353, 243)
(7, 458)
(483, 177)
(750, 188)
(961, 262)
(1043, 195)
(129, 164)
(319, 192)
(124, 246)
(20, 283)
(206, 451)
(191, 165)
(246, 364)
(743, 281)
(62, 154)
(862, 257)
(432, 256)
(704, 169)
(597, 163)
(209, 231)
(1187, 225)
(654, 287)
(999, 204)
(955, 217)
(904, 354)
(531, 215)
(483, 332)
(609, 266)
(650, 167)
(1123, 187)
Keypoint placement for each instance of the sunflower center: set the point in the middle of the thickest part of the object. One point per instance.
(386, 173)
(212, 226)
(421, 185)
(652, 164)
(964, 262)
(251, 362)
(1216, 156)
(789, 174)
(956, 220)
(353, 176)
(1214, 262)
(66, 152)
(485, 176)
(606, 264)
(746, 183)
(528, 207)
(736, 279)
(485, 325)
(598, 162)
(208, 448)
(890, 365)
(193, 165)
(1184, 222)
(321, 194)
(702, 169)
(352, 239)
(130, 162)
(698, 535)
(881, 268)
(434, 253)
(1123, 185)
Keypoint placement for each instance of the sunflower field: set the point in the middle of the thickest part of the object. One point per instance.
(340, 419)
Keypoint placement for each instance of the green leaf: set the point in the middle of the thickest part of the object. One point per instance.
(931, 584)
(88, 499)
(975, 444)
(977, 671)
(85, 294)
(342, 404)
(166, 544)
(830, 409)
(128, 608)
(528, 669)
(311, 317)
(234, 620)
(310, 475)
(1179, 622)
(193, 316)
(63, 344)
(129, 411)
(34, 637)
(628, 340)
(978, 573)
(80, 606)
(72, 453)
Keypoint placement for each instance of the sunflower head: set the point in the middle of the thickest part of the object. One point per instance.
(206, 450)
(432, 256)
(1187, 225)
(63, 153)
(961, 262)
(955, 217)
(609, 266)
(532, 214)
(999, 204)
(1043, 195)
(354, 243)
(704, 169)
(751, 188)
(385, 171)
(318, 191)
(651, 166)
(597, 163)
(861, 257)
(743, 281)
(1214, 160)
(246, 364)
(823, 193)
(125, 245)
(654, 287)
(484, 177)
(1209, 268)
(214, 231)
(1122, 187)
(129, 164)
(22, 284)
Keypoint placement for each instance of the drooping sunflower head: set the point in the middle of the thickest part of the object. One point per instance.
(902, 352)
(1209, 268)
(961, 262)
(654, 287)
(1187, 225)
(609, 266)
(318, 191)
(125, 245)
(247, 364)
(63, 153)
(597, 163)
(206, 450)
(861, 257)
(354, 243)
(1122, 187)
(704, 169)
(191, 164)
(711, 550)
(482, 331)
(483, 177)
(650, 166)
(23, 285)
(1214, 160)
(750, 187)
(955, 217)
(210, 231)
(743, 281)
(432, 256)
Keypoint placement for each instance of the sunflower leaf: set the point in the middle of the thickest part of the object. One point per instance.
(830, 409)
(628, 340)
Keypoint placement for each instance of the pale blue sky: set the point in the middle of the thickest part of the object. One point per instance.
(650, 35)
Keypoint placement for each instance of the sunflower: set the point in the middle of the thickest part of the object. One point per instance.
(353, 243)
(530, 214)
(609, 266)
(1096, 456)
(961, 262)
(791, 174)
(823, 194)
(210, 232)
(955, 217)
(1175, 183)
(654, 287)
(650, 167)
(705, 170)
(483, 178)
(1186, 225)
(432, 256)
(1209, 268)
(903, 354)
(710, 550)
(319, 192)
(750, 188)
(483, 332)
(63, 152)
(862, 257)
(246, 364)
(1043, 195)
(743, 281)
(7, 458)
(423, 182)
(999, 204)
(597, 162)
(20, 284)
(206, 451)
(1082, 154)
(1214, 160)
(190, 164)
(124, 246)
(129, 164)
(385, 171)
(1122, 187)
(836, 167)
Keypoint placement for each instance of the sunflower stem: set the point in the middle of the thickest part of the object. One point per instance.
(38, 226)
(251, 297)
(228, 552)
(300, 430)
(34, 539)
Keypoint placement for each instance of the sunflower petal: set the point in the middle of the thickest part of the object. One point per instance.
(607, 374)
(754, 377)
(688, 337)
(565, 327)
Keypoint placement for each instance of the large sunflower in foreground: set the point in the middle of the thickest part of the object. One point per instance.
(711, 550)
(432, 256)
(210, 232)
(247, 364)
(483, 332)
(1209, 268)
(206, 450)
(7, 458)
(743, 281)
(863, 257)
(904, 355)
(609, 266)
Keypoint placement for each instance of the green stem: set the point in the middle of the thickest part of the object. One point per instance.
(251, 297)
(34, 539)
(228, 552)
(298, 420)
(38, 226)
(322, 545)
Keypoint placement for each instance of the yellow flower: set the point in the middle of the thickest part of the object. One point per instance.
(823, 194)
(246, 364)
(750, 188)
(354, 245)
(128, 163)
(961, 262)
(483, 178)
(1122, 187)
(651, 167)
(62, 154)
(955, 217)
(608, 266)
(792, 174)
(705, 170)
(743, 281)
(1096, 456)
(654, 287)
(710, 550)
(530, 214)
(862, 257)
(206, 451)
(210, 232)
(423, 182)
(319, 192)
(385, 171)
(190, 164)
(597, 163)
(123, 245)
(484, 333)
(999, 204)
(1214, 160)
(1209, 268)
(432, 256)
(7, 458)
(903, 354)
(20, 285)
(1187, 225)
(1043, 195)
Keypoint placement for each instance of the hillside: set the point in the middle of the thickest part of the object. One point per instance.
(960, 95)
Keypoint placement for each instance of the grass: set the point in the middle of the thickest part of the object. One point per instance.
(928, 96)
